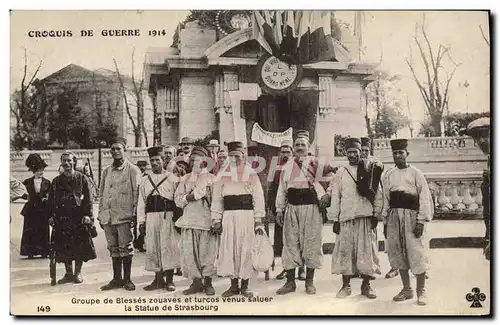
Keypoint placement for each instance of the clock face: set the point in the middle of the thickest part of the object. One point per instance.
(230, 21)
(277, 74)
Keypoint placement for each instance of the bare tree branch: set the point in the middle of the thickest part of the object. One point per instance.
(122, 89)
(484, 37)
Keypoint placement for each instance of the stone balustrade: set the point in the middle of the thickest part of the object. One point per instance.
(456, 194)
(432, 143)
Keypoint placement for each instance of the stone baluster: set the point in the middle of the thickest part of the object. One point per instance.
(479, 198)
(443, 200)
(454, 198)
(461, 194)
(467, 198)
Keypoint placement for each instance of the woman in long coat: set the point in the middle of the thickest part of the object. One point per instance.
(35, 238)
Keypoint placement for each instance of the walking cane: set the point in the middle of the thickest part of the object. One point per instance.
(266, 228)
(52, 262)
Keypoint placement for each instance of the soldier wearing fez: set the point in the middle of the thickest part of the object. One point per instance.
(407, 208)
(237, 210)
(117, 213)
(480, 130)
(155, 212)
(299, 198)
(198, 244)
(70, 206)
(355, 219)
(286, 152)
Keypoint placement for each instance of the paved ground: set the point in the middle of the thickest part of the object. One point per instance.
(454, 273)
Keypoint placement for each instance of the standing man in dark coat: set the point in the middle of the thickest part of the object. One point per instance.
(35, 239)
(70, 204)
(480, 130)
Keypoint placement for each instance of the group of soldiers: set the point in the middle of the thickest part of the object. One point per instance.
(201, 214)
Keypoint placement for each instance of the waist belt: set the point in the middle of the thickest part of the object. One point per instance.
(301, 196)
(402, 200)
(157, 203)
(238, 202)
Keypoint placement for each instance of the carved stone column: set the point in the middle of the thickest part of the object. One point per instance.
(326, 87)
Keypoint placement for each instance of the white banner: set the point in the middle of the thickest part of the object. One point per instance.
(273, 139)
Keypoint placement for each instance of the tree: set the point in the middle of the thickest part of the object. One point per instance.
(28, 107)
(105, 108)
(381, 100)
(69, 123)
(390, 120)
(434, 87)
(135, 94)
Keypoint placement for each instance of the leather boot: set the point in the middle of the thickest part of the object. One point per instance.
(366, 289)
(346, 290)
(281, 275)
(421, 296)
(158, 282)
(244, 289)
(289, 285)
(169, 283)
(68, 277)
(302, 275)
(209, 289)
(310, 288)
(78, 272)
(117, 281)
(233, 289)
(195, 287)
(127, 269)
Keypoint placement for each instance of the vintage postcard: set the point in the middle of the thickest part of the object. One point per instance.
(241, 162)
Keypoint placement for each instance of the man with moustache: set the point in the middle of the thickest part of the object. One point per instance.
(407, 208)
(213, 148)
(117, 213)
(238, 206)
(155, 210)
(169, 158)
(198, 245)
(355, 219)
(70, 206)
(299, 198)
(186, 145)
(286, 152)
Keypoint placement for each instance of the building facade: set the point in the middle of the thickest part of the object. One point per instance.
(225, 83)
(99, 95)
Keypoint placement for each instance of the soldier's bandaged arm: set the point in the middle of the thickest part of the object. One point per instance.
(217, 207)
(378, 204)
(258, 200)
(281, 200)
(424, 197)
(141, 206)
(180, 194)
(334, 189)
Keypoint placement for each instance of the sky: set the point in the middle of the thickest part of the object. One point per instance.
(385, 33)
